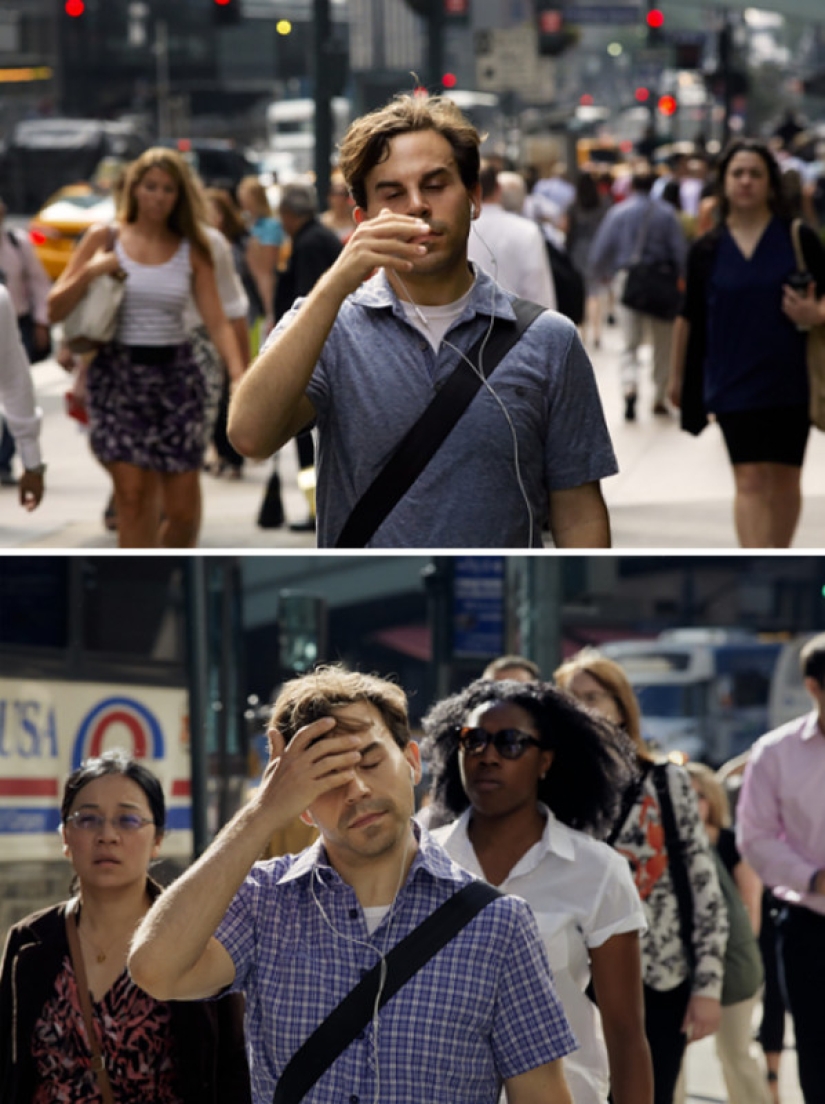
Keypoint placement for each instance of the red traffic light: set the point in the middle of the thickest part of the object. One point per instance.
(667, 105)
(449, 80)
(655, 19)
(74, 8)
(642, 95)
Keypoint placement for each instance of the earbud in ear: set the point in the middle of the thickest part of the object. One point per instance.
(473, 210)
(412, 775)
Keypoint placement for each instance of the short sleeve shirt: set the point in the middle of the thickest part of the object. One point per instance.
(538, 428)
(581, 893)
(482, 1010)
(268, 231)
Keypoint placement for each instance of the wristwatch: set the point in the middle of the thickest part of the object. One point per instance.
(39, 470)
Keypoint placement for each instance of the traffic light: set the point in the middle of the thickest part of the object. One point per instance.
(449, 80)
(642, 94)
(655, 20)
(74, 8)
(668, 105)
(553, 36)
(226, 13)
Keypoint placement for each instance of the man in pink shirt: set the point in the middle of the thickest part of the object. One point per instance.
(781, 833)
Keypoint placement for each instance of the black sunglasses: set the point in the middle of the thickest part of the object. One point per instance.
(510, 743)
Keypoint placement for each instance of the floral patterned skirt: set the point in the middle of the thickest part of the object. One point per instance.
(149, 415)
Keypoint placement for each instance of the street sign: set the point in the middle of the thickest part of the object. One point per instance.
(478, 605)
(507, 60)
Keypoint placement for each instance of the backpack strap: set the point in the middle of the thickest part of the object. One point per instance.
(355, 1011)
(676, 862)
(433, 426)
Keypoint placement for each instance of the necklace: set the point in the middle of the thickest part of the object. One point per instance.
(101, 954)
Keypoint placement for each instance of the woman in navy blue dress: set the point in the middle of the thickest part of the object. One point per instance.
(739, 345)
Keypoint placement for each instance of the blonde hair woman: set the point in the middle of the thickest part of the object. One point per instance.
(264, 254)
(146, 392)
(683, 948)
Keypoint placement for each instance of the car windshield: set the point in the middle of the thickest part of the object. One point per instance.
(84, 201)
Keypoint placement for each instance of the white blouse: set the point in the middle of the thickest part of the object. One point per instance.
(581, 893)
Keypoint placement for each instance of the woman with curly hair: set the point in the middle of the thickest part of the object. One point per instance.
(660, 833)
(531, 778)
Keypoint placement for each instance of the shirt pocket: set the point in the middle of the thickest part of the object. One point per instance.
(552, 928)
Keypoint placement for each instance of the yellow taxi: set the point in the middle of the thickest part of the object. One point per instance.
(63, 220)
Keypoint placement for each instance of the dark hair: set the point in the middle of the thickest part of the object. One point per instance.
(776, 200)
(593, 761)
(488, 179)
(232, 224)
(672, 194)
(812, 659)
(587, 192)
(118, 762)
(308, 698)
(367, 141)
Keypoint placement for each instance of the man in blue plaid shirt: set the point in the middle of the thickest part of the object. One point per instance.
(295, 934)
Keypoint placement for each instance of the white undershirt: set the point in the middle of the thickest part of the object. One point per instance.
(438, 319)
(374, 916)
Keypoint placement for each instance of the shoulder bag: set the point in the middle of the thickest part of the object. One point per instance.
(651, 287)
(98, 1061)
(742, 969)
(815, 346)
(357, 1009)
(432, 428)
(93, 322)
(676, 863)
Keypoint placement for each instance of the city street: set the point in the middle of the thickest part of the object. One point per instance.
(673, 490)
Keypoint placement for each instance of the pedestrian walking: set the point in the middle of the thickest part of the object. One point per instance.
(523, 777)
(743, 971)
(642, 231)
(297, 933)
(509, 246)
(18, 404)
(338, 215)
(28, 286)
(739, 347)
(364, 360)
(659, 832)
(584, 217)
(73, 1024)
(781, 832)
(266, 247)
(146, 391)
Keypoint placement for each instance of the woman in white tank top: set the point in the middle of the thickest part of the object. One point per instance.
(146, 391)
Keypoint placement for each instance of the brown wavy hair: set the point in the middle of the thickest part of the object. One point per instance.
(367, 141)
(188, 216)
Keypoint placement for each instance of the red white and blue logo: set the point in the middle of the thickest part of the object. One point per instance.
(132, 723)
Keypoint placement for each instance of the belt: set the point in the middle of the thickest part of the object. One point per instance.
(152, 354)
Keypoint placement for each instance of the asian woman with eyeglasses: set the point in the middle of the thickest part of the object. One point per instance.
(532, 778)
(112, 824)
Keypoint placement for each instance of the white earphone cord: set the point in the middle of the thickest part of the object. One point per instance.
(479, 371)
(382, 957)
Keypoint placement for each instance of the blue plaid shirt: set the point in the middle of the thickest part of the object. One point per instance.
(484, 1009)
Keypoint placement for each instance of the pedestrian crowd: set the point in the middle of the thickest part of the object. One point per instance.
(557, 919)
(370, 334)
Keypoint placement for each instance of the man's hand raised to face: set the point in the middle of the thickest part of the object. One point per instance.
(387, 241)
(313, 763)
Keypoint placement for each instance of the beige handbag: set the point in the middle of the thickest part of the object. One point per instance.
(93, 322)
(815, 349)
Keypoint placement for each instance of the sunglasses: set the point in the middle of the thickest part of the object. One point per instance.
(510, 743)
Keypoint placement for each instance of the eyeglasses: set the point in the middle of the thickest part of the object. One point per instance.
(93, 822)
(510, 743)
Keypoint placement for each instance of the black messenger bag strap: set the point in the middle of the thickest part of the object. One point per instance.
(355, 1011)
(676, 860)
(424, 439)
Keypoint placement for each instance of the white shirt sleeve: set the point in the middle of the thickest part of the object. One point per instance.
(16, 387)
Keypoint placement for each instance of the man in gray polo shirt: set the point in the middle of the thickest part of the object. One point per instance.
(363, 355)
